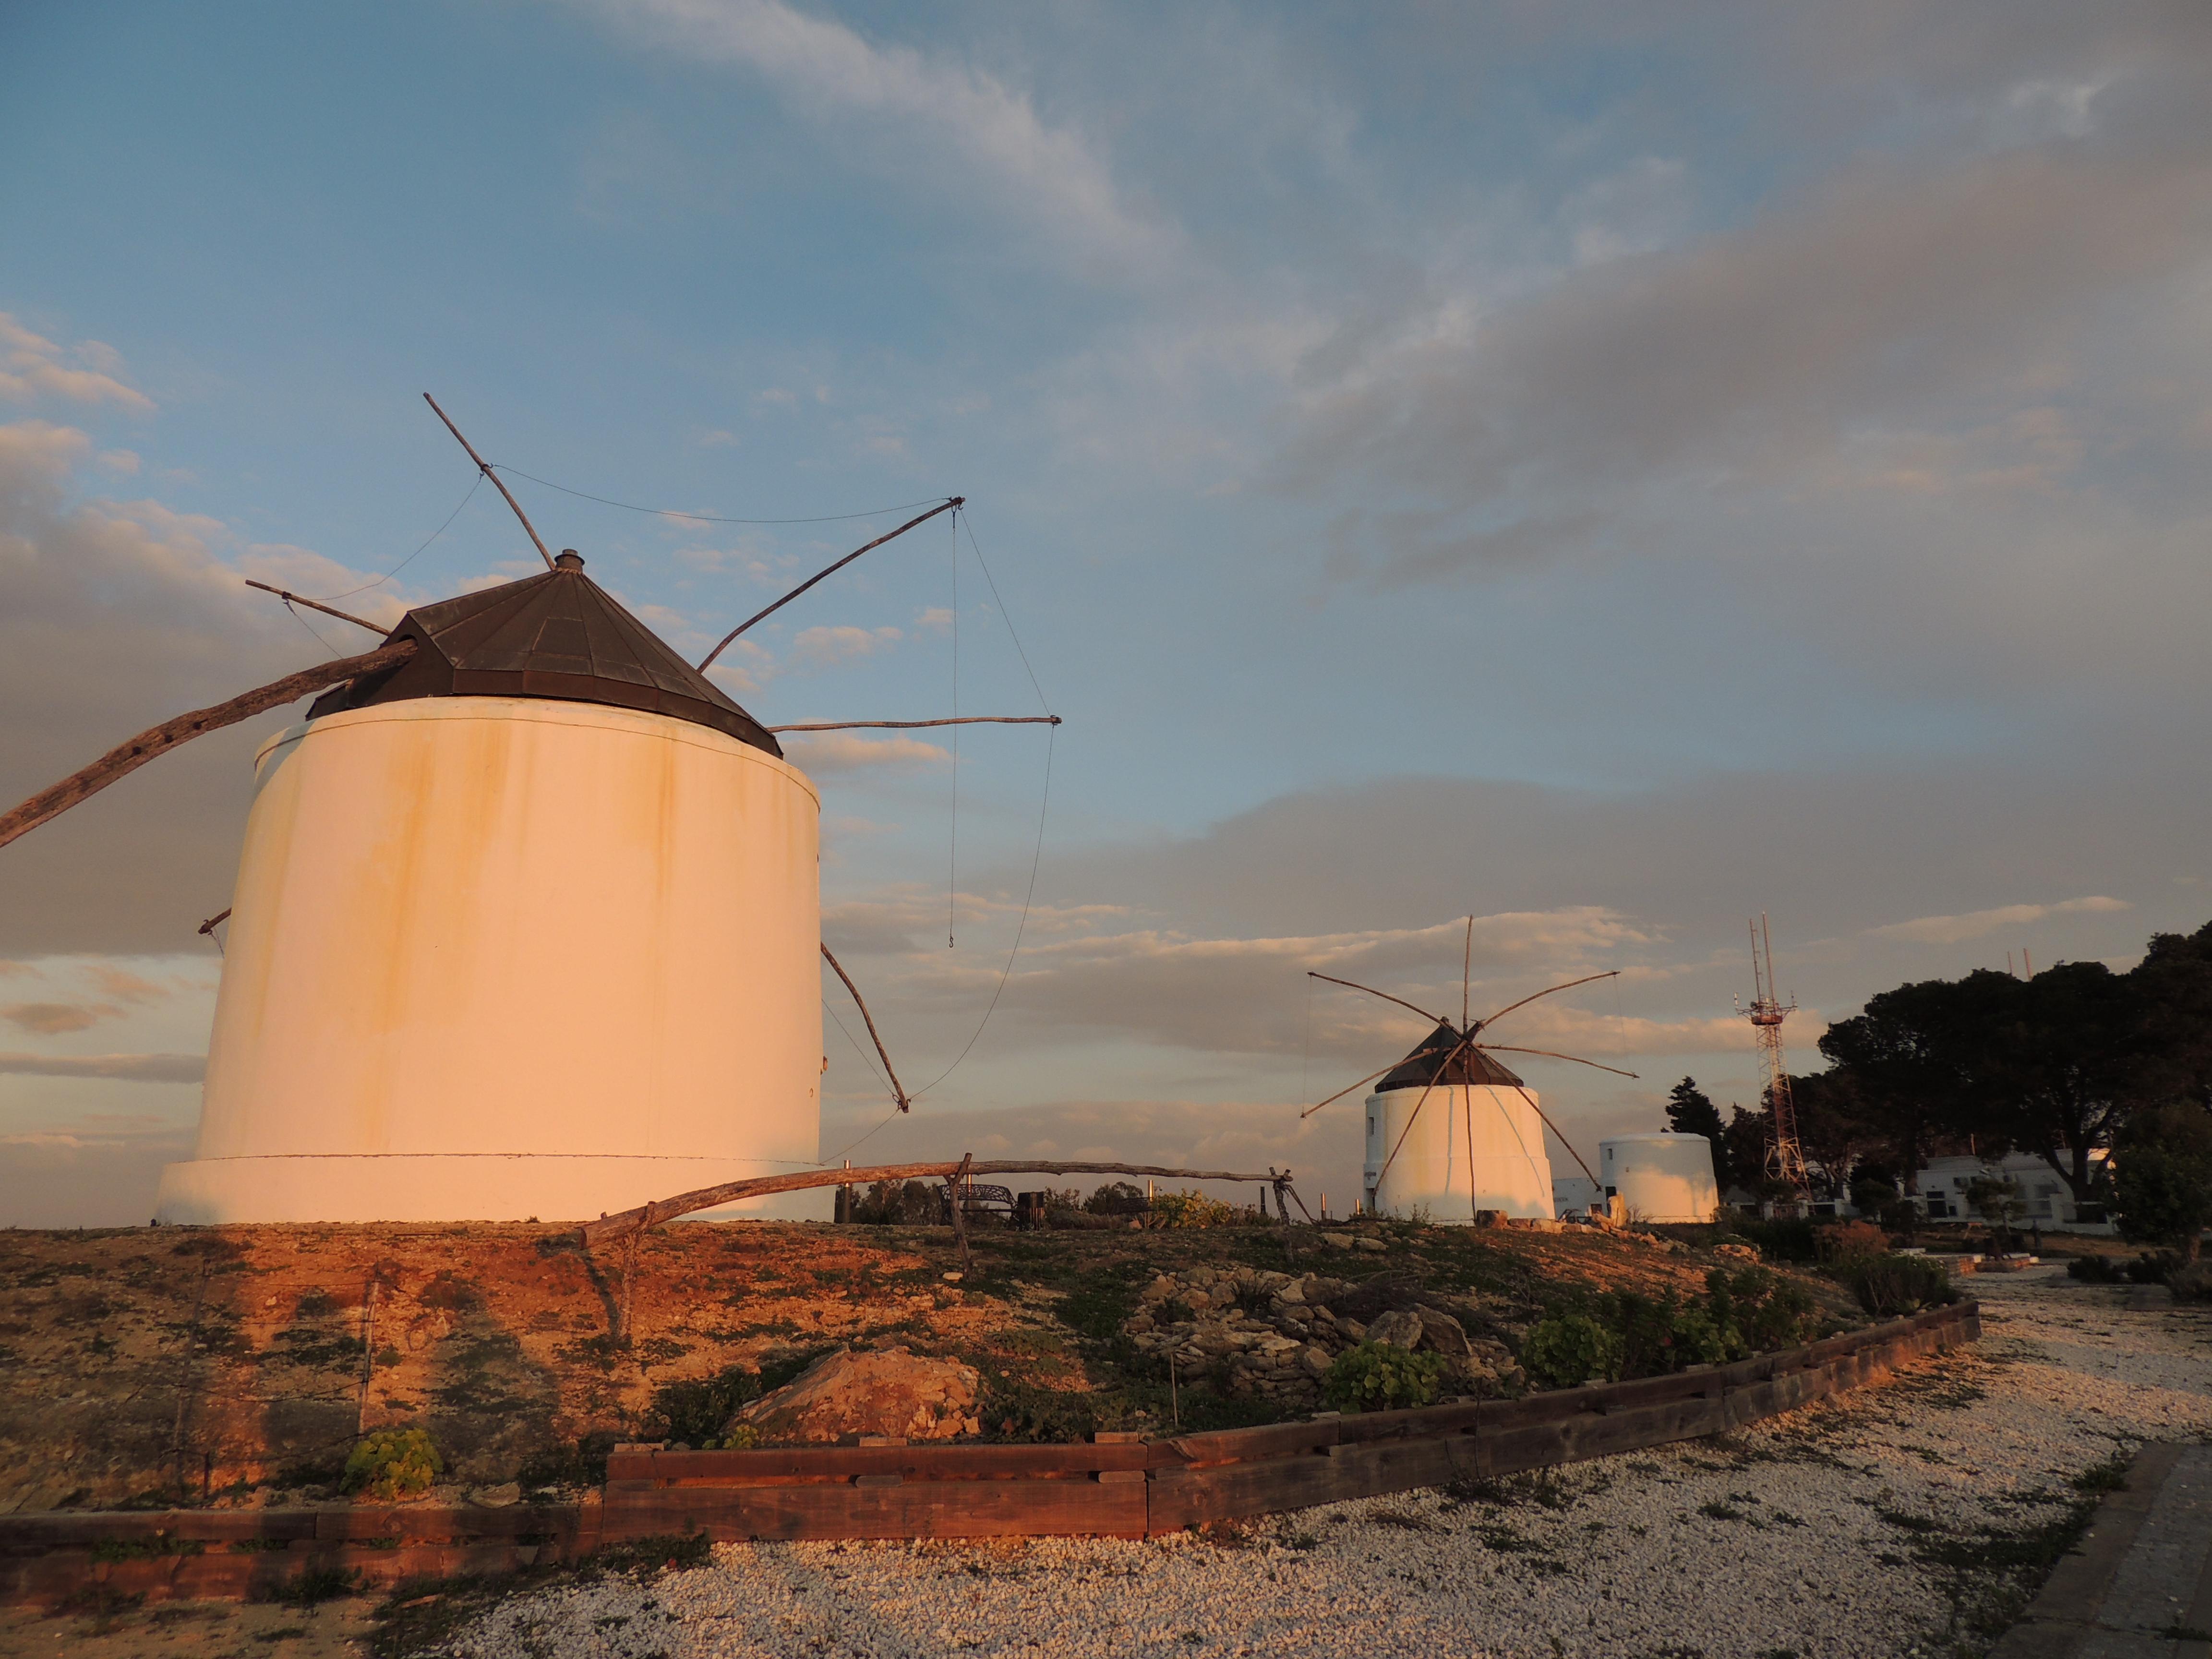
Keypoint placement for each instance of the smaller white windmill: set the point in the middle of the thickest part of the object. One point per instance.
(1450, 1131)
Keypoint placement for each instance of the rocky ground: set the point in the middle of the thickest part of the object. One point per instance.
(235, 1365)
(1911, 1519)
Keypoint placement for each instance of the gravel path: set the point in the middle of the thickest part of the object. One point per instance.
(1875, 1525)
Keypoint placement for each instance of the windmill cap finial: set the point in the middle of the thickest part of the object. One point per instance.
(570, 559)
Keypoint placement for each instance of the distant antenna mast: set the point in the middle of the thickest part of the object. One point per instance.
(1785, 1157)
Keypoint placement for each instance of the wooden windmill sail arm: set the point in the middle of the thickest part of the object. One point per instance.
(1354, 984)
(1564, 1141)
(1507, 1048)
(948, 506)
(149, 744)
(1611, 973)
(485, 468)
(909, 726)
(317, 605)
(882, 1053)
(1349, 1087)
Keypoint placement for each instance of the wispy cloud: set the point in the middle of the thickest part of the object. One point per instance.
(1053, 175)
(1979, 924)
(133, 1068)
(56, 1018)
(826, 647)
(831, 752)
(32, 365)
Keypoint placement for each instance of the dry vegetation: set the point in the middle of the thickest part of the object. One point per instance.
(227, 1365)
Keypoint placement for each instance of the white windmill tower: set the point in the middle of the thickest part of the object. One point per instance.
(1450, 1130)
(528, 924)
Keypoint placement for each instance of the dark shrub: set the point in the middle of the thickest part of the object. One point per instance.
(1785, 1238)
(1840, 1242)
(2097, 1270)
(2153, 1267)
(1117, 1198)
(1887, 1285)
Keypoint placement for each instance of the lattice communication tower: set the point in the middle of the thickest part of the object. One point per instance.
(1785, 1157)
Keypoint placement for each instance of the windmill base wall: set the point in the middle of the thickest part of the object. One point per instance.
(492, 957)
(1418, 1163)
(462, 1186)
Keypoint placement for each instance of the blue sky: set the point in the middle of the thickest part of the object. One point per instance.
(1606, 470)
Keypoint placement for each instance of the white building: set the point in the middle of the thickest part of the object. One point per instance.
(1452, 1132)
(1944, 1183)
(1660, 1177)
(1573, 1194)
(527, 927)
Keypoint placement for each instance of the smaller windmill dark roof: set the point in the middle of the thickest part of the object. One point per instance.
(557, 635)
(1427, 1065)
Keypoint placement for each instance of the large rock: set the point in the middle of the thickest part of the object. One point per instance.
(1399, 1330)
(889, 1391)
(1440, 1331)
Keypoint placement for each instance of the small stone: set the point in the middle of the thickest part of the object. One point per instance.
(1372, 1246)
(1341, 1240)
(1316, 1362)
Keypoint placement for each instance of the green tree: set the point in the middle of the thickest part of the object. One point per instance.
(1833, 1129)
(1997, 1201)
(1689, 1111)
(1745, 1139)
(2162, 1177)
(2172, 986)
(2056, 1064)
(1903, 1057)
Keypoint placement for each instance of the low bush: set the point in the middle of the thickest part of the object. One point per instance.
(2097, 1270)
(1841, 1243)
(1377, 1376)
(694, 1411)
(2153, 1267)
(1192, 1209)
(1621, 1335)
(2192, 1283)
(1785, 1238)
(1567, 1350)
(393, 1463)
(1766, 1310)
(1889, 1285)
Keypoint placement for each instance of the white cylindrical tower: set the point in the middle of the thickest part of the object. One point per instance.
(1444, 1140)
(497, 956)
(1660, 1177)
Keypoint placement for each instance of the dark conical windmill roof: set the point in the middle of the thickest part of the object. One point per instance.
(557, 635)
(1426, 1065)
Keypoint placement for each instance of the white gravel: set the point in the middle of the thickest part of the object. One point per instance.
(1773, 1542)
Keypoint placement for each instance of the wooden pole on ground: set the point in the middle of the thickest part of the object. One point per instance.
(609, 1228)
(957, 1189)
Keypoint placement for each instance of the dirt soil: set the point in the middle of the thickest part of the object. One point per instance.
(236, 1365)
